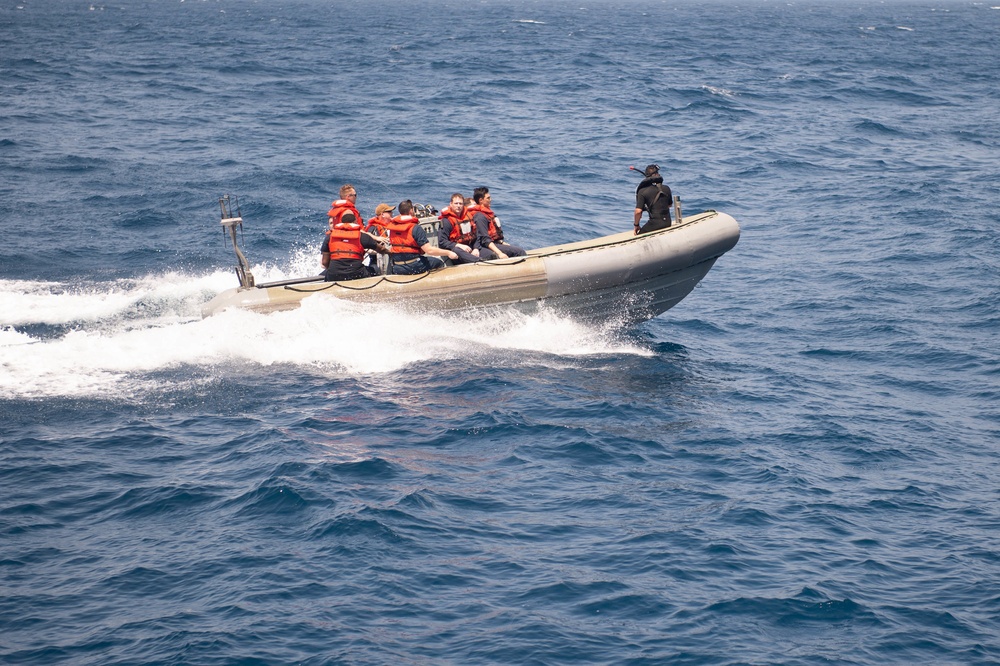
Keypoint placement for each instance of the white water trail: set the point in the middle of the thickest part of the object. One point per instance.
(108, 340)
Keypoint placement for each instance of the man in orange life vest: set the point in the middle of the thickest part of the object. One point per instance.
(379, 224)
(344, 246)
(348, 200)
(458, 231)
(412, 253)
(491, 245)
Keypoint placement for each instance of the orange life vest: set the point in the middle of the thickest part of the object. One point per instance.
(457, 235)
(341, 206)
(494, 230)
(401, 235)
(376, 226)
(345, 242)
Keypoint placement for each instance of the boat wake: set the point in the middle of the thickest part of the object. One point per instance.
(115, 340)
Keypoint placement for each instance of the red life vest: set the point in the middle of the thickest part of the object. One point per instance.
(401, 235)
(345, 242)
(456, 235)
(341, 206)
(494, 230)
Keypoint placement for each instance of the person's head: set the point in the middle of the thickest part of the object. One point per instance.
(481, 195)
(457, 204)
(384, 210)
(347, 217)
(651, 170)
(405, 207)
(348, 192)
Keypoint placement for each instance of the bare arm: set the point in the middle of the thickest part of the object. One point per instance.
(438, 252)
(381, 245)
(497, 251)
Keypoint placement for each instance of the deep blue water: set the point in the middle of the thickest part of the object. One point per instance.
(797, 465)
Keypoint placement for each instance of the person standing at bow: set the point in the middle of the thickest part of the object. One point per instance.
(491, 245)
(412, 253)
(458, 231)
(652, 196)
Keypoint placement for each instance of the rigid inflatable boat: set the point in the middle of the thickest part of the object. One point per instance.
(624, 277)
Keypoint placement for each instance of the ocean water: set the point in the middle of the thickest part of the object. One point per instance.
(796, 465)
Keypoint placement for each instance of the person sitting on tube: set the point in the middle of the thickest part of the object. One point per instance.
(491, 245)
(378, 224)
(458, 231)
(344, 248)
(412, 253)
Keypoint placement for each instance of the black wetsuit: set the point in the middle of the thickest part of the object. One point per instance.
(655, 198)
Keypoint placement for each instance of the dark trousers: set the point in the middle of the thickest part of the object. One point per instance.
(421, 264)
(464, 257)
(654, 225)
(339, 272)
(510, 250)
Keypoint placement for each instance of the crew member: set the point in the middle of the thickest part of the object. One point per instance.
(491, 245)
(654, 197)
(411, 251)
(458, 231)
(378, 225)
(347, 202)
(343, 250)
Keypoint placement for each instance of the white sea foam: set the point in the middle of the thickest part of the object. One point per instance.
(108, 340)
(24, 302)
(54, 303)
(10, 337)
(719, 91)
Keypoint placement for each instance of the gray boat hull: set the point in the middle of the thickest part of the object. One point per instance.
(622, 277)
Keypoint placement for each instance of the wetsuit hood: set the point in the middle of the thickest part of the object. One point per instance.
(652, 180)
